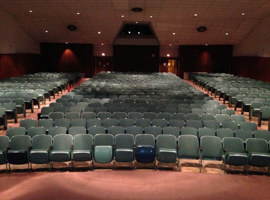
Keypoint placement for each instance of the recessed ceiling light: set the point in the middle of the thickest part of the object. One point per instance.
(103, 54)
(136, 22)
(102, 43)
(195, 15)
(99, 32)
(129, 32)
(170, 45)
(46, 31)
(226, 33)
(243, 13)
(30, 11)
(173, 33)
(206, 44)
(78, 13)
(151, 16)
(122, 16)
(66, 42)
(168, 55)
(139, 33)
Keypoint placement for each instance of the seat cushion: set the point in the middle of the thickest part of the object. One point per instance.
(103, 154)
(39, 156)
(60, 155)
(81, 155)
(124, 155)
(145, 154)
(167, 155)
(259, 159)
(17, 157)
(236, 159)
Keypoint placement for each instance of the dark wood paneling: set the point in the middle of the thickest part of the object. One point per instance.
(252, 67)
(13, 65)
(201, 58)
(136, 58)
(103, 64)
(58, 57)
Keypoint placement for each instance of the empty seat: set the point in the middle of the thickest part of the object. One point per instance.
(109, 122)
(126, 122)
(114, 130)
(243, 134)
(188, 147)
(53, 131)
(189, 131)
(177, 122)
(149, 115)
(211, 148)
(143, 122)
(264, 115)
(224, 132)
(93, 122)
(82, 149)
(17, 153)
(45, 123)
(171, 130)
(145, 148)
(258, 152)
(39, 153)
(222, 118)
(263, 134)
(153, 130)
(72, 115)
(119, 115)
(166, 149)
(56, 115)
(33, 131)
(160, 122)
(75, 130)
(194, 123)
(164, 115)
(124, 148)
(15, 131)
(78, 122)
(45, 111)
(61, 149)
(4, 145)
(62, 122)
(103, 115)
(192, 116)
(88, 115)
(28, 123)
(249, 126)
(230, 124)
(93, 130)
(134, 115)
(207, 117)
(238, 118)
(212, 124)
(234, 152)
(181, 116)
(103, 148)
(134, 130)
(206, 131)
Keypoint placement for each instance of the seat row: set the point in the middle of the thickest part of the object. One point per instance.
(124, 148)
(136, 130)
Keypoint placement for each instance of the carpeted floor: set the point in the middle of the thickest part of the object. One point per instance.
(133, 185)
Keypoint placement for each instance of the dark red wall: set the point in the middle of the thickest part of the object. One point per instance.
(252, 67)
(12, 65)
(58, 57)
(135, 58)
(201, 58)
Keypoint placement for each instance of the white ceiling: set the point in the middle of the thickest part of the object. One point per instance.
(168, 16)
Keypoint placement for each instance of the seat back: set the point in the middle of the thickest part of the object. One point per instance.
(88, 115)
(28, 123)
(75, 130)
(62, 142)
(56, 115)
(45, 123)
(72, 115)
(78, 122)
(134, 130)
(58, 130)
(257, 145)
(166, 141)
(4, 142)
(15, 131)
(110, 122)
(62, 122)
(231, 144)
(124, 141)
(20, 142)
(36, 131)
(206, 131)
(154, 130)
(42, 142)
(172, 130)
(145, 140)
(83, 142)
(188, 146)
(248, 126)
(211, 148)
(189, 131)
(103, 139)
(224, 132)
(93, 130)
(263, 134)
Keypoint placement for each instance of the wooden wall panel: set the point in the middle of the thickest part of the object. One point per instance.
(201, 58)
(136, 58)
(13, 65)
(252, 67)
(58, 57)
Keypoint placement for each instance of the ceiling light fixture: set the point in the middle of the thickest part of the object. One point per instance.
(243, 13)
(170, 45)
(102, 54)
(99, 32)
(173, 33)
(226, 33)
(30, 11)
(168, 55)
(78, 13)
(46, 31)
(102, 44)
(66, 42)
(122, 16)
(72, 27)
(195, 15)
(137, 9)
(201, 29)
(151, 16)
